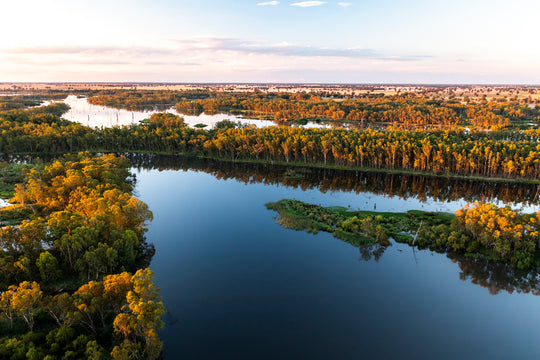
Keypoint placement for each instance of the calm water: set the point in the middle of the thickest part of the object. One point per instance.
(102, 116)
(239, 286)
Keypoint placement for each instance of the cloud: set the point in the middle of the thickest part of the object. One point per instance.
(94, 56)
(85, 50)
(247, 47)
(344, 4)
(48, 61)
(268, 3)
(195, 59)
(308, 3)
(191, 50)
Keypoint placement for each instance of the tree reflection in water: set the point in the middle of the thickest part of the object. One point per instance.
(368, 252)
(497, 276)
(493, 275)
(423, 188)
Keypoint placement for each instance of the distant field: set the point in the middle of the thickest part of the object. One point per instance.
(473, 92)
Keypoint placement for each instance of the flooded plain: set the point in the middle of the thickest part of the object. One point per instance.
(103, 116)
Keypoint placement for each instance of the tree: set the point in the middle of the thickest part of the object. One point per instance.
(140, 318)
(59, 308)
(48, 266)
(6, 304)
(26, 300)
(90, 303)
(93, 351)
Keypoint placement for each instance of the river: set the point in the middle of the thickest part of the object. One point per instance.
(239, 286)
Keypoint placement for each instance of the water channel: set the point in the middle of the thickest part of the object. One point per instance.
(103, 116)
(237, 285)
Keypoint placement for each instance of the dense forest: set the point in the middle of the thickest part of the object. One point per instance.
(73, 277)
(144, 99)
(502, 154)
(25, 101)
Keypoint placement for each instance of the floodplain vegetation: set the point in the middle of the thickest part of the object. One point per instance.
(73, 273)
(480, 230)
(513, 154)
(405, 110)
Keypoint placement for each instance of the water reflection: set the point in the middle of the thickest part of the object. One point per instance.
(495, 276)
(81, 111)
(425, 189)
(422, 188)
(369, 252)
(238, 284)
(492, 275)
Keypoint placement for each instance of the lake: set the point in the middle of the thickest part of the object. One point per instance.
(237, 285)
(102, 116)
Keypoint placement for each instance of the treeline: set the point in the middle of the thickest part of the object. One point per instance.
(17, 102)
(47, 114)
(440, 152)
(84, 225)
(437, 152)
(423, 188)
(405, 110)
(397, 112)
(25, 101)
(144, 99)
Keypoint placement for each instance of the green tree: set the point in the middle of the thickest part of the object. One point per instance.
(48, 266)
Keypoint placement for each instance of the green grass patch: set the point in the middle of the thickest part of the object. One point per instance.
(356, 227)
(423, 229)
(10, 175)
(15, 214)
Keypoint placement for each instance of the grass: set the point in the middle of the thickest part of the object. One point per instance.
(10, 175)
(356, 227)
(436, 231)
(14, 214)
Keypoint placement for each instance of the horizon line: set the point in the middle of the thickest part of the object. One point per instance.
(266, 83)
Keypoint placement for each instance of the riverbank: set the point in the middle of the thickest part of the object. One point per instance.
(294, 164)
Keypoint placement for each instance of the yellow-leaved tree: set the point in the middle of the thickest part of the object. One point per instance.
(139, 320)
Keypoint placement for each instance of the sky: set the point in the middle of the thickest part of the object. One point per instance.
(285, 41)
